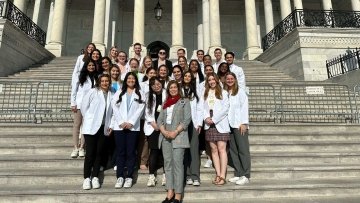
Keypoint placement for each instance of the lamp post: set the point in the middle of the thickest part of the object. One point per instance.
(158, 11)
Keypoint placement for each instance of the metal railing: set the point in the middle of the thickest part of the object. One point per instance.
(28, 102)
(311, 18)
(344, 63)
(10, 12)
(44, 102)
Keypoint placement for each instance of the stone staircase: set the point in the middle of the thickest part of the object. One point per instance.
(291, 162)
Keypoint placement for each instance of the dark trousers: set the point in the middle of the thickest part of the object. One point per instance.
(240, 153)
(94, 152)
(192, 155)
(155, 160)
(126, 143)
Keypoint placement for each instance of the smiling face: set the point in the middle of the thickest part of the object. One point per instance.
(156, 87)
(134, 65)
(208, 70)
(194, 66)
(104, 83)
(137, 49)
(187, 78)
(224, 68)
(130, 82)
(147, 63)
(177, 74)
(115, 73)
(162, 54)
(121, 57)
(212, 82)
(230, 80)
(90, 48)
(90, 67)
(217, 55)
(229, 59)
(105, 64)
(173, 90)
(95, 55)
(113, 52)
(207, 61)
(200, 56)
(182, 62)
(163, 72)
(151, 73)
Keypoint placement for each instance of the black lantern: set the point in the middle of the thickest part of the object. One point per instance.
(158, 11)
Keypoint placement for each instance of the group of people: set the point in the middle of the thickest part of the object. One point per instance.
(153, 114)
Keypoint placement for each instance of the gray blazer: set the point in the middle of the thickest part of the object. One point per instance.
(181, 116)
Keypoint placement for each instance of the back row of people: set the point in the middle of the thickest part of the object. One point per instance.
(177, 106)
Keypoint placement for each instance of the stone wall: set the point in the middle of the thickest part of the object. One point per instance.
(350, 79)
(17, 50)
(302, 53)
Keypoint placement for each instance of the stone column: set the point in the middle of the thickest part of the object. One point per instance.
(269, 16)
(285, 8)
(215, 35)
(139, 27)
(298, 4)
(21, 4)
(355, 5)
(51, 17)
(55, 45)
(99, 25)
(327, 5)
(38, 10)
(177, 28)
(206, 24)
(253, 49)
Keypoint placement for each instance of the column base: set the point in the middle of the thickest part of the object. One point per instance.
(55, 48)
(252, 53)
(132, 53)
(102, 48)
(194, 55)
(212, 49)
(173, 52)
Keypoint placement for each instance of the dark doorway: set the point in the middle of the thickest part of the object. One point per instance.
(154, 47)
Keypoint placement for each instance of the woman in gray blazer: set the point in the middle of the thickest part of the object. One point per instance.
(173, 122)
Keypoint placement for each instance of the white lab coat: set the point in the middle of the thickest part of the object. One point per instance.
(78, 66)
(220, 113)
(150, 117)
(78, 91)
(93, 108)
(240, 76)
(121, 114)
(196, 110)
(239, 109)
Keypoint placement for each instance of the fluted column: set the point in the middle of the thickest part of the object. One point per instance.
(55, 45)
(355, 5)
(21, 4)
(139, 26)
(51, 17)
(206, 24)
(215, 37)
(298, 4)
(38, 10)
(327, 5)
(99, 25)
(253, 48)
(269, 16)
(285, 8)
(177, 28)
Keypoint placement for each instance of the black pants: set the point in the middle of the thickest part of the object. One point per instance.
(94, 153)
(155, 160)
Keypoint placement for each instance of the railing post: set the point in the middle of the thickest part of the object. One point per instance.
(358, 58)
(3, 8)
(342, 65)
(328, 69)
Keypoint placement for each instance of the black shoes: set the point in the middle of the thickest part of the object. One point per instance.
(167, 200)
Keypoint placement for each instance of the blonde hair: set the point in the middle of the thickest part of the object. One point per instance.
(142, 68)
(218, 89)
(235, 89)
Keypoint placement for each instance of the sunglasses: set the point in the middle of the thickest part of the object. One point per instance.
(161, 52)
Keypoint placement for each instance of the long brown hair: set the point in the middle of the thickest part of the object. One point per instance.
(235, 88)
(218, 89)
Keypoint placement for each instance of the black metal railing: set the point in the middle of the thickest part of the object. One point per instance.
(343, 63)
(10, 12)
(311, 18)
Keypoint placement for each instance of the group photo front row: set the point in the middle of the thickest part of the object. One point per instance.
(157, 115)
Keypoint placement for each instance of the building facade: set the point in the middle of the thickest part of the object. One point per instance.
(235, 25)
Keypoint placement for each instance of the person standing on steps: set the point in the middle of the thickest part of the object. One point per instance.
(239, 122)
(173, 122)
(79, 87)
(97, 112)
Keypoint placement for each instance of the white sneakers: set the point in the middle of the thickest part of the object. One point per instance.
(78, 152)
(242, 181)
(128, 183)
(196, 183)
(81, 152)
(74, 153)
(119, 182)
(208, 163)
(87, 184)
(163, 181)
(95, 183)
(189, 181)
(151, 181)
(234, 179)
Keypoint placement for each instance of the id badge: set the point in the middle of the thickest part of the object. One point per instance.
(158, 108)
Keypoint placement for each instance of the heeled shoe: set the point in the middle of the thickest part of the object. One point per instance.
(176, 201)
(167, 200)
(221, 181)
